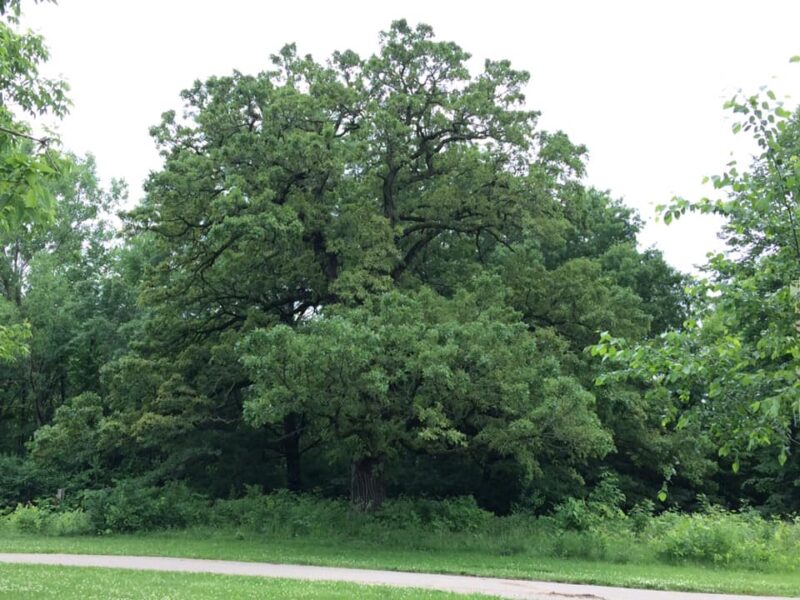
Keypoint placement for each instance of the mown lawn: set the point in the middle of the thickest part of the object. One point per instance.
(39, 582)
(214, 544)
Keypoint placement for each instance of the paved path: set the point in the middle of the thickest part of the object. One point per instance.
(505, 588)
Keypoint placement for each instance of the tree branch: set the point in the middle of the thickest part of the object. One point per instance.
(41, 141)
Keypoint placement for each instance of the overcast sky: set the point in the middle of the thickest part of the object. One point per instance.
(640, 83)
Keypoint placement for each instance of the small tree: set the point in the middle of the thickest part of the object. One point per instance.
(424, 373)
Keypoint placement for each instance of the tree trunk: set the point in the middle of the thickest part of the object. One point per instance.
(367, 488)
(291, 451)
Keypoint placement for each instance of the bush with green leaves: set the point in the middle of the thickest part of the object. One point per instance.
(602, 506)
(641, 515)
(30, 518)
(451, 514)
(281, 513)
(132, 507)
(21, 480)
(69, 522)
(721, 537)
(594, 528)
(284, 512)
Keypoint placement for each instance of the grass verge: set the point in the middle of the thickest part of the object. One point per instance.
(200, 543)
(40, 582)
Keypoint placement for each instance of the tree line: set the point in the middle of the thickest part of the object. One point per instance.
(379, 276)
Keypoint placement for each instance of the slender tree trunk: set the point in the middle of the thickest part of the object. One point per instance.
(291, 451)
(367, 487)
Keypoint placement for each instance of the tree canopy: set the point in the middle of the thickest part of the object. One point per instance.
(734, 365)
(376, 276)
(293, 200)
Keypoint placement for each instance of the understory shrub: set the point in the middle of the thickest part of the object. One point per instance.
(21, 481)
(299, 514)
(34, 519)
(601, 508)
(594, 528)
(451, 514)
(721, 537)
(132, 507)
(282, 513)
(28, 519)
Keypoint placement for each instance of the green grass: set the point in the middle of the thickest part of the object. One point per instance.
(360, 553)
(23, 582)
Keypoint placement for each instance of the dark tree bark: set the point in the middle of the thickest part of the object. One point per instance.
(367, 486)
(291, 451)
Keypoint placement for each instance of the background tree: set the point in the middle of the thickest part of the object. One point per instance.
(733, 366)
(59, 281)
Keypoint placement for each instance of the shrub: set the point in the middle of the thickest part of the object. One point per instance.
(283, 513)
(21, 481)
(641, 515)
(69, 522)
(286, 513)
(701, 538)
(592, 529)
(38, 519)
(575, 515)
(132, 507)
(28, 519)
(401, 513)
(603, 506)
(452, 514)
(457, 514)
(726, 538)
(606, 499)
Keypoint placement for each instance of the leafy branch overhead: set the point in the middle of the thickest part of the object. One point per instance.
(735, 363)
(28, 164)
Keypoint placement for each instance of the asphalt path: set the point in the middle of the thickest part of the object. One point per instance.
(503, 588)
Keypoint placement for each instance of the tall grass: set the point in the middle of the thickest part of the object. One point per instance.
(592, 529)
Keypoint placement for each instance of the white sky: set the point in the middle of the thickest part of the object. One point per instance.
(640, 83)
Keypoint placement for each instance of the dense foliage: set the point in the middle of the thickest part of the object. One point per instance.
(595, 529)
(27, 163)
(377, 277)
(733, 368)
